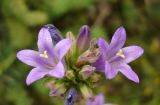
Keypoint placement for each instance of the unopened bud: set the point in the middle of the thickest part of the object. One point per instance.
(89, 56)
(83, 39)
(86, 92)
(54, 32)
(71, 97)
(69, 74)
(87, 71)
(70, 36)
(72, 50)
(57, 90)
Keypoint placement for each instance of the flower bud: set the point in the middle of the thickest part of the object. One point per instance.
(71, 96)
(70, 35)
(55, 33)
(56, 89)
(72, 50)
(69, 74)
(86, 92)
(87, 71)
(83, 39)
(89, 56)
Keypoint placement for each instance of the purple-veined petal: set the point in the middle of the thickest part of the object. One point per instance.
(32, 58)
(110, 72)
(57, 71)
(62, 47)
(117, 41)
(34, 75)
(100, 64)
(103, 46)
(131, 53)
(129, 73)
(84, 38)
(29, 57)
(44, 40)
(98, 100)
(45, 44)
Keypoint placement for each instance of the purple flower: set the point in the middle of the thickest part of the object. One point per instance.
(48, 60)
(83, 38)
(115, 59)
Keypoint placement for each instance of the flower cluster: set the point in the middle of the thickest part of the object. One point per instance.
(76, 65)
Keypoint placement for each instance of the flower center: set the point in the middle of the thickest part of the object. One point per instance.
(120, 54)
(44, 54)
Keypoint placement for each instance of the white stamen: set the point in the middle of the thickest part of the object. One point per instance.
(120, 53)
(44, 54)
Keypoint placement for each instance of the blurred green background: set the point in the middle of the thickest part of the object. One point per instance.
(21, 20)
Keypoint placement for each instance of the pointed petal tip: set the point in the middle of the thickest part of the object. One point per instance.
(20, 54)
(85, 26)
(121, 29)
(43, 30)
(127, 71)
(141, 50)
(34, 75)
(84, 30)
(131, 53)
(136, 80)
(28, 83)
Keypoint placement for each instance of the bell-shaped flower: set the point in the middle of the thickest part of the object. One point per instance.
(115, 59)
(48, 60)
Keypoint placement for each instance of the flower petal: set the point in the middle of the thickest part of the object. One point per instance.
(132, 52)
(117, 41)
(84, 38)
(100, 64)
(44, 40)
(58, 71)
(103, 46)
(129, 73)
(62, 47)
(109, 71)
(34, 75)
(29, 57)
